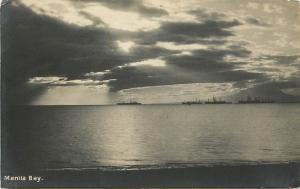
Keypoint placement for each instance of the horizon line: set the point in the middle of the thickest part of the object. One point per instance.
(179, 103)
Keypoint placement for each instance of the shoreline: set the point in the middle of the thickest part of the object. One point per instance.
(166, 104)
(247, 175)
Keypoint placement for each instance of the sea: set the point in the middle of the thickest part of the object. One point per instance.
(150, 136)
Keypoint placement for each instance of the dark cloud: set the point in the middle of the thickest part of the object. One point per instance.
(207, 60)
(201, 67)
(205, 29)
(188, 32)
(204, 14)
(130, 5)
(131, 77)
(187, 69)
(238, 76)
(39, 45)
(257, 22)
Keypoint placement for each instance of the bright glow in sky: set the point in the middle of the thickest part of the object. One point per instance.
(120, 19)
(62, 10)
(150, 62)
(173, 46)
(66, 11)
(179, 92)
(46, 80)
(70, 95)
(125, 46)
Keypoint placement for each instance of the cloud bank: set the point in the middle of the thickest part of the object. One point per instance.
(132, 44)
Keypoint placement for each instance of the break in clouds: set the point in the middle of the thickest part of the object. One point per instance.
(104, 51)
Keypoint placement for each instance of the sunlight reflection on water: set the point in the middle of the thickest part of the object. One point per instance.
(87, 136)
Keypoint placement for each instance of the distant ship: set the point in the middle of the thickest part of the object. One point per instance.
(129, 103)
(255, 100)
(215, 101)
(192, 102)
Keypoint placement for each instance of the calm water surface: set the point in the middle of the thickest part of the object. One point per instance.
(55, 137)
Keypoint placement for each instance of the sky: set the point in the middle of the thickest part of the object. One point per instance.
(72, 52)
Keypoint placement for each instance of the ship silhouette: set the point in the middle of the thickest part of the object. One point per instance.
(129, 103)
(213, 101)
(255, 100)
(196, 101)
(216, 101)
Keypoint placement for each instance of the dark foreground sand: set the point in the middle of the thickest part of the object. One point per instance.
(260, 175)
